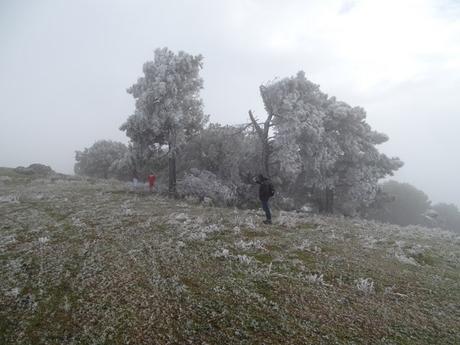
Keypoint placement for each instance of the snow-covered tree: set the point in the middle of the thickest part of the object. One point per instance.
(358, 165)
(297, 109)
(103, 159)
(168, 105)
(448, 216)
(264, 139)
(404, 204)
(322, 145)
(226, 151)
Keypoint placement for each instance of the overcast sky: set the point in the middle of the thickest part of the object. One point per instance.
(65, 67)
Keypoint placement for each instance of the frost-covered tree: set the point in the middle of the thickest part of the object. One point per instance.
(264, 139)
(448, 216)
(229, 152)
(103, 159)
(295, 105)
(324, 147)
(358, 164)
(169, 109)
(144, 160)
(301, 152)
(404, 204)
(203, 184)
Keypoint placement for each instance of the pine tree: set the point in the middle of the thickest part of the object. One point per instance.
(168, 105)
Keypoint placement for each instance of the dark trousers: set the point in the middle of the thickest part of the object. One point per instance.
(266, 208)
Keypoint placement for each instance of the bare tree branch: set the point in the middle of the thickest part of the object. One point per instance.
(255, 124)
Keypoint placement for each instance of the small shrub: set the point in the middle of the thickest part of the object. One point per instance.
(315, 278)
(366, 286)
(35, 169)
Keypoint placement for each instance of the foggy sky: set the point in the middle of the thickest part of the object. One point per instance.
(65, 67)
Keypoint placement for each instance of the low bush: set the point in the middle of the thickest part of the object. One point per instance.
(205, 185)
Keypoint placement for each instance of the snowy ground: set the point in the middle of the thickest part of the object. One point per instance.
(91, 262)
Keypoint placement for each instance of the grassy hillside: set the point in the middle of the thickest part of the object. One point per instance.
(89, 262)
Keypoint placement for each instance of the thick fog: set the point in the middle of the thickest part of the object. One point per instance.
(65, 67)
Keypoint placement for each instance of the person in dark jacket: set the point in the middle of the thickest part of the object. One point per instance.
(266, 191)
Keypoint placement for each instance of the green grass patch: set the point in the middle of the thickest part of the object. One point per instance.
(426, 258)
(252, 234)
(265, 258)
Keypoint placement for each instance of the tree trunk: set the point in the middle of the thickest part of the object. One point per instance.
(324, 199)
(263, 136)
(265, 157)
(329, 200)
(172, 163)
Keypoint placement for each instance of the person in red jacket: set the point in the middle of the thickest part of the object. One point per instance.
(151, 179)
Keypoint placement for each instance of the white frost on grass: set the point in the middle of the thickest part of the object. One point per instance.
(369, 242)
(7, 240)
(126, 210)
(315, 279)
(212, 228)
(365, 285)
(253, 244)
(244, 259)
(249, 222)
(15, 265)
(223, 253)
(406, 253)
(37, 196)
(197, 236)
(181, 217)
(305, 245)
(389, 290)
(43, 240)
(193, 227)
(416, 249)
(401, 257)
(236, 230)
(163, 260)
(184, 220)
(77, 222)
(288, 219)
(14, 292)
(11, 199)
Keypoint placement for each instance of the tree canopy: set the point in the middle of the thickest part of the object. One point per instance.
(105, 158)
(405, 204)
(324, 144)
(169, 109)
